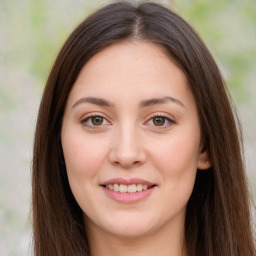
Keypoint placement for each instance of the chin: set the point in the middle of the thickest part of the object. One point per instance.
(133, 231)
(129, 227)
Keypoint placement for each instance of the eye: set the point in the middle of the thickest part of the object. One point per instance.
(94, 121)
(97, 120)
(160, 121)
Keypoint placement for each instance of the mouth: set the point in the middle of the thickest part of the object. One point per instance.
(132, 188)
(128, 191)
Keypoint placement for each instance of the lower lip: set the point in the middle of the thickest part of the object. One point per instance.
(128, 197)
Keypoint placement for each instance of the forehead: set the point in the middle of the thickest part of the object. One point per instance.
(135, 56)
(134, 69)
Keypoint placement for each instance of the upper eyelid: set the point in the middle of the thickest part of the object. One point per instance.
(84, 122)
(87, 117)
(165, 115)
(150, 116)
(167, 118)
(171, 121)
(93, 114)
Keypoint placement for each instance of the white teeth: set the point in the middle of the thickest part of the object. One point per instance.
(123, 188)
(133, 188)
(116, 187)
(139, 187)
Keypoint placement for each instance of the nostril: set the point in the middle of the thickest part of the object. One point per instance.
(116, 163)
(126, 163)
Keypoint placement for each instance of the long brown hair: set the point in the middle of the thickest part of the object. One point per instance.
(218, 216)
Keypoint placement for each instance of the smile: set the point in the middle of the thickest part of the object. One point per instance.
(128, 191)
(123, 188)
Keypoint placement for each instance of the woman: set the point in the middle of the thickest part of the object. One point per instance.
(136, 147)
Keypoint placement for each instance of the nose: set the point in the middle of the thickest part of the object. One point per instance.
(127, 150)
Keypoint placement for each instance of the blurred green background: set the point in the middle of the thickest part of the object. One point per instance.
(32, 32)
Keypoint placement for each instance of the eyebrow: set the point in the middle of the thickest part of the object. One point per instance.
(155, 101)
(145, 103)
(93, 100)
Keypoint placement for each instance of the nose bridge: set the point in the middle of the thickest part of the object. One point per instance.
(127, 149)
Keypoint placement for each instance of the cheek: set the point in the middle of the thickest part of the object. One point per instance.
(177, 162)
(84, 159)
(178, 155)
(82, 156)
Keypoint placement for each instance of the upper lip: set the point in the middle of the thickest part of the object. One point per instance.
(127, 181)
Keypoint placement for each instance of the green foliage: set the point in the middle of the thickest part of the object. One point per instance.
(37, 29)
(34, 31)
(229, 30)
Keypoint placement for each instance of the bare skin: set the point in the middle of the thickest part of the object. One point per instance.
(131, 115)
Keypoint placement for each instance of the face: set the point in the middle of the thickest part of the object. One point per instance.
(131, 141)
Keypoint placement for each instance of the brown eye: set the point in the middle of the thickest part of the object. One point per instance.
(159, 121)
(97, 120)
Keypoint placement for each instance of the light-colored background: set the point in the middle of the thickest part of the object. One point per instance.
(31, 33)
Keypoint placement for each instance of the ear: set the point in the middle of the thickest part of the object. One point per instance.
(203, 161)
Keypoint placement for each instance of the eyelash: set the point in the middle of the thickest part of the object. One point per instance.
(92, 126)
(166, 119)
(89, 118)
